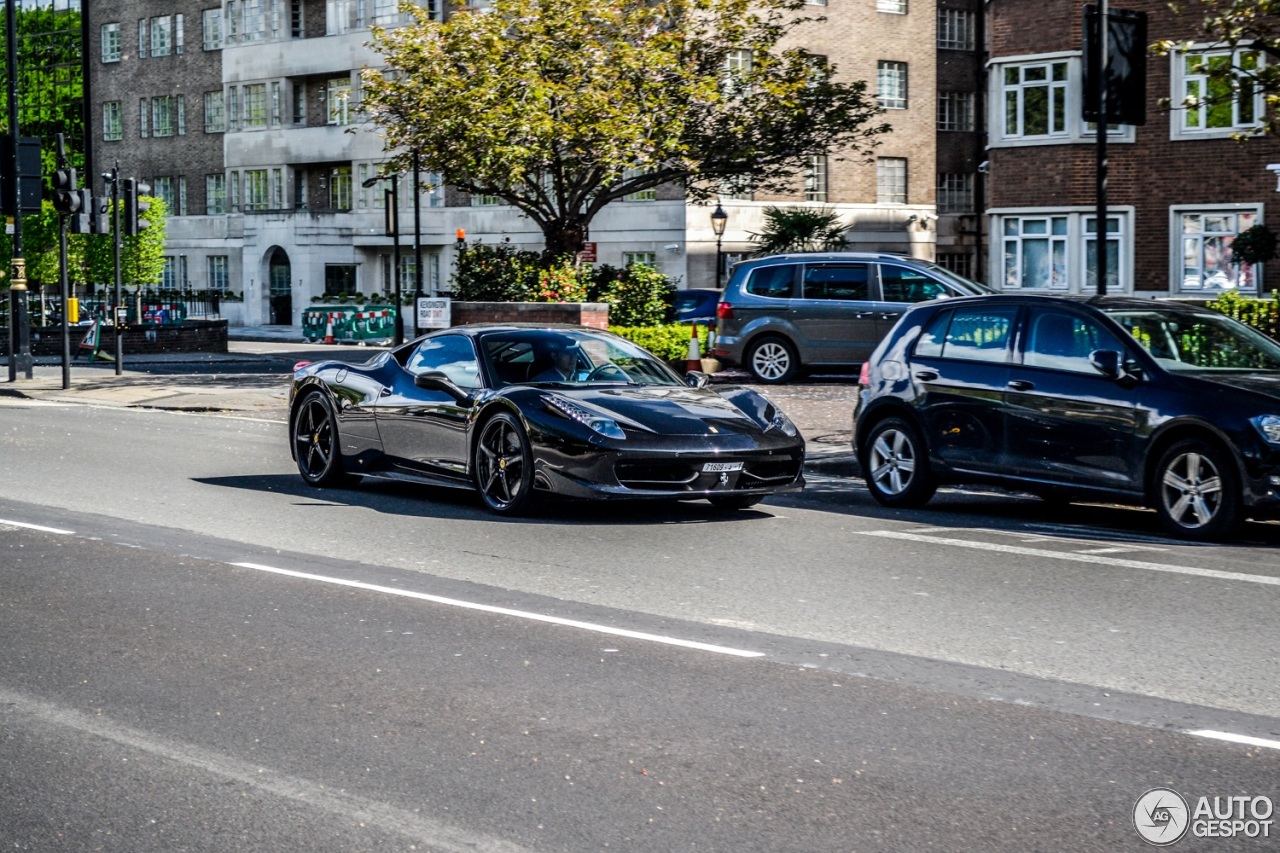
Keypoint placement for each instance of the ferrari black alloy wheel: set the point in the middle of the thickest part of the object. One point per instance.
(315, 440)
(504, 465)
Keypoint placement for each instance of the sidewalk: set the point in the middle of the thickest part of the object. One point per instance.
(821, 409)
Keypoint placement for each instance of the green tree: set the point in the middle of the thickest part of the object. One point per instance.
(561, 106)
(799, 229)
(1251, 25)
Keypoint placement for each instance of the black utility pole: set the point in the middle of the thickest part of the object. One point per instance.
(391, 201)
(119, 321)
(1100, 75)
(417, 244)
(20, 360)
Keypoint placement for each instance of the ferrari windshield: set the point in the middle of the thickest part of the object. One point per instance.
(570, 357)
(1184, 341)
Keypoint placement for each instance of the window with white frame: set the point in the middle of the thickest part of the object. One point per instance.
(215, 115)
(649, 194)
(955, 29)
(343, 16)
(161, 36)
(1204, 262)
(162, 116)
(955, 111)
(180, 108)
(340, 195)
(1115, 253)
(144, 110)
(338, 99)
(277, 115)
(211, 24)
(112, 121)
(215, 194)
(891, 180)
(218, 277)
(1034, 98)
(955, 192)
(173, 275)
(1218, 92)
(299, 102)
(255, 21)
(257, 189)
(1034, 249)
(163, 189)
(142, 38)
(486, 200)
(179, 38)
(891, 84)
(815, 178)
(631, 259)
(231, 22)
(895, 7)
(737, 67)
(111, 42)
(255, 106)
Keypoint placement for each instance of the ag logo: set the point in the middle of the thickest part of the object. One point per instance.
(1161, 816)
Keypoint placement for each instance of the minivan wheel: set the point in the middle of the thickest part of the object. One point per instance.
(1197, 490)
(773, 360)
(896, 465)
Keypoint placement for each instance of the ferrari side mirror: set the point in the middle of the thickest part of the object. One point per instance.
(434, 380)
(696, 379)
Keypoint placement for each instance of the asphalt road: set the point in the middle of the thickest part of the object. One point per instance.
(1020, 673)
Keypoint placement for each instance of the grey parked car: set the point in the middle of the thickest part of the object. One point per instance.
(787, 312)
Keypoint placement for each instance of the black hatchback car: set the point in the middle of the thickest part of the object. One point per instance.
(1137, 401)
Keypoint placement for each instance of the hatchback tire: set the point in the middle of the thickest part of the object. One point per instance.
(895, 465)
(773, 360)
(1197, 490)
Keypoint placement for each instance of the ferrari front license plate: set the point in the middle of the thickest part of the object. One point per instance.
(718, 467)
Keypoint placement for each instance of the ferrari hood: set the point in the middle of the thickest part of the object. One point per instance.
(672, 410)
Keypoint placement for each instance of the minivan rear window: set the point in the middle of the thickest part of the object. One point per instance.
(771, 281)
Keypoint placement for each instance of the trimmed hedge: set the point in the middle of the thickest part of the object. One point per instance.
(669, 343)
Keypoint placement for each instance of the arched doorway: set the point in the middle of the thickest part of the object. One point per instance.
(280, 289)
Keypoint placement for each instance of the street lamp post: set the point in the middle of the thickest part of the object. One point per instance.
(417, 243)
(393, 230)
(718, 220)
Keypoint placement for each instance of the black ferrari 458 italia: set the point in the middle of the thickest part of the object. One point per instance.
(520, 412)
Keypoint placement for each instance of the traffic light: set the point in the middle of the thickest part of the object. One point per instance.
(98, 207)
(66, 199)
(81, 212)
(135, 207)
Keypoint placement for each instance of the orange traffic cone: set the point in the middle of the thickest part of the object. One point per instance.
(328, 330)
(695, 357)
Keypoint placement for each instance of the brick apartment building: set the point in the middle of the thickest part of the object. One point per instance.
(1180, 187)
(244, 116)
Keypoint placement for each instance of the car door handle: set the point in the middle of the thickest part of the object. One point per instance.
(1021, 385)
(889, 316)
(926, 375)
(862, 315)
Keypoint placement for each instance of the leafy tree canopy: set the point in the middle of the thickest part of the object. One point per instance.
(1249, 24)
(560, 106)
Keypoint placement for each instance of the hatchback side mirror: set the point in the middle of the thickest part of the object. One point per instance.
(1110, 363)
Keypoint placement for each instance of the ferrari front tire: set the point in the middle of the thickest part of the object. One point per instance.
(503, 465)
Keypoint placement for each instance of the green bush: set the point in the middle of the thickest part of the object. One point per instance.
(501, 273)
(1262, 314)
(637, 296)
(670, 342)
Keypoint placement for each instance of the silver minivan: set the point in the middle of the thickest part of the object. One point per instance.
(783, 313)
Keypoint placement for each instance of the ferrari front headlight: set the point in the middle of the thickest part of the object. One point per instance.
(602, 424)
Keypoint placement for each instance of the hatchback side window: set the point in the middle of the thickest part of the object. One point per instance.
(977, 334)
(771, 281)
(900, 284)
(452, 355)
(1064, 341)
(846, 281)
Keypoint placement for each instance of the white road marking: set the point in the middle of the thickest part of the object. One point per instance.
(348, 807)
(1077, 556)
(1244, 739)
(39, 527)
(506, 611)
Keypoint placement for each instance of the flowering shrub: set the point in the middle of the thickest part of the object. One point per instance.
(500, 273)
(564, 282)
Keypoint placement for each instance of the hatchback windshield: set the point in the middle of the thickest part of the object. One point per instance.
(1180, 341)
(571, 357)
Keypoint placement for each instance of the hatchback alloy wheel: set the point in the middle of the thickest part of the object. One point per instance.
(896, 465)
(1198, 494)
